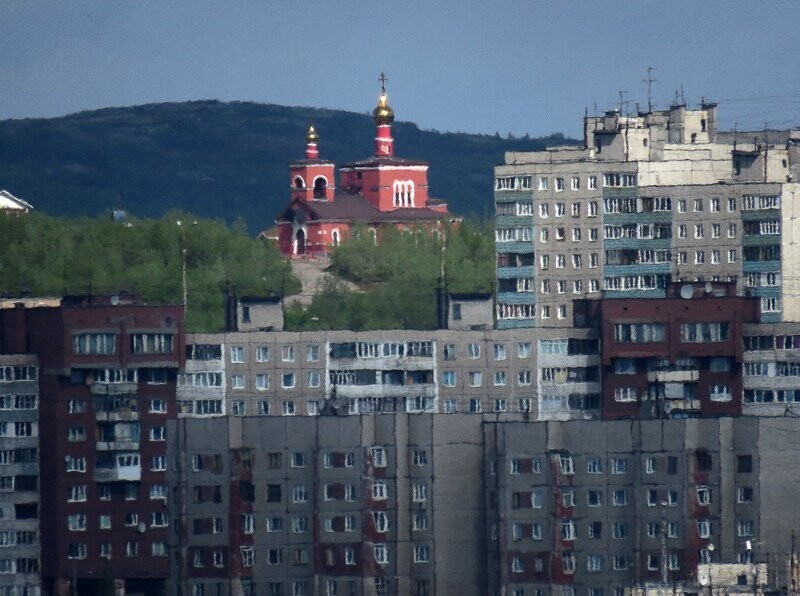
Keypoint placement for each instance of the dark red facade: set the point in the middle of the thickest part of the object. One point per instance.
(107, 388)
(675, 357)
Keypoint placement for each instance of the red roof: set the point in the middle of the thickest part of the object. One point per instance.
(355, 207)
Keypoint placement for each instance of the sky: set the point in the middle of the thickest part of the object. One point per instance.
(513, 67)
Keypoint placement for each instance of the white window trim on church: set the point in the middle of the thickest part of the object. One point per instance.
(295, 228)
(403, 193)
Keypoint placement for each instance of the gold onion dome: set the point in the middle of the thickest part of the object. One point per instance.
(383, 114)
(311, 135)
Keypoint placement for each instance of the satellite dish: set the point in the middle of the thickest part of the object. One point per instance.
(687, 291)
(668, 407)
(114, 300)
(748, 545)
(141, 527)
(710, 547)
(709, 287)
(703, 580)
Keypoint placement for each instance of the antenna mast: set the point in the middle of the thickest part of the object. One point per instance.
(650, 80)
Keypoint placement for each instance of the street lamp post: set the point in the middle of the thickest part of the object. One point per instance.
(184, 252)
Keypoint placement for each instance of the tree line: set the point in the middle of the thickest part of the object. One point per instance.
(42, 255)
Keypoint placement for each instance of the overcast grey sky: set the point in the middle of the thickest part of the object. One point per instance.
(508, 66)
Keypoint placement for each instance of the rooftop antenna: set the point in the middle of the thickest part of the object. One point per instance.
(683, 99)
(621, 100)
(650, 80)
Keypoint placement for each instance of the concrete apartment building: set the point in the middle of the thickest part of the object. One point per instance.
(106, 388)
(600, 508)
(19, 475)
(647, 199)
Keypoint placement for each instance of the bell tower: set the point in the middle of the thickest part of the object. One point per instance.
(384, 116)
(312, 179)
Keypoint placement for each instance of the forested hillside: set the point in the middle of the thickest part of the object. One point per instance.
(220, 160)
(41, 255)
(398, 279)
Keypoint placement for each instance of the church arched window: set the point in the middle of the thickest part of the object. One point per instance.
(299, 183)
(320, 186)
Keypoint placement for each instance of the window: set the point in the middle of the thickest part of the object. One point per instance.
(475, 378)
(421, 554)
(94, 343)
(312, 379)
(576, 183)
(745, 528)
(287, 380)
(262, 354)
(237, 354)
(237, 381)
(499, 378)
(568, 529)
(619, 530)
(594, 498)
(703, 528)
(703, 495)
(379, 490)
(559, 184)
(731, 204)
(475, 406)
(299, 524)
(76, 550)
(499, 351)
(287, 353)
(449, 351)
(594, 563)
(544, 210)
(299, 494)
(594, 466)
(744, 495)
(698, 230)
(576, 234)
(158, 433)
(620, 497)
(449, 378)
(474, 350)
(542, 183)
(380, 553)
(698, 205)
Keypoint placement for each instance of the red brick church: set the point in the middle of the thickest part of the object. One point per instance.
(382, 190)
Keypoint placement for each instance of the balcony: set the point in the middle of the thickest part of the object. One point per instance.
(673, 376)
(120, 445)
(116, 416)
(99, 388)
(122, 467)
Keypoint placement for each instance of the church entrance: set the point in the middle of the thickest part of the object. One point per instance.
(300, 242)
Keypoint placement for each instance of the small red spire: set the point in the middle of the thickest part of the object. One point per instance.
(311, 143)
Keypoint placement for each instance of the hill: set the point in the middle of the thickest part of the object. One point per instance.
(220, 160)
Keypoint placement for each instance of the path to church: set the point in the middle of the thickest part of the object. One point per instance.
(310, 273)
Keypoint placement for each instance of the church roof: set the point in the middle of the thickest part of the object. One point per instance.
(375, 161)
(355, 207)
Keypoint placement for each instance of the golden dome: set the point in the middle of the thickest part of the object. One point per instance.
(311, 135)
(383, 114)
